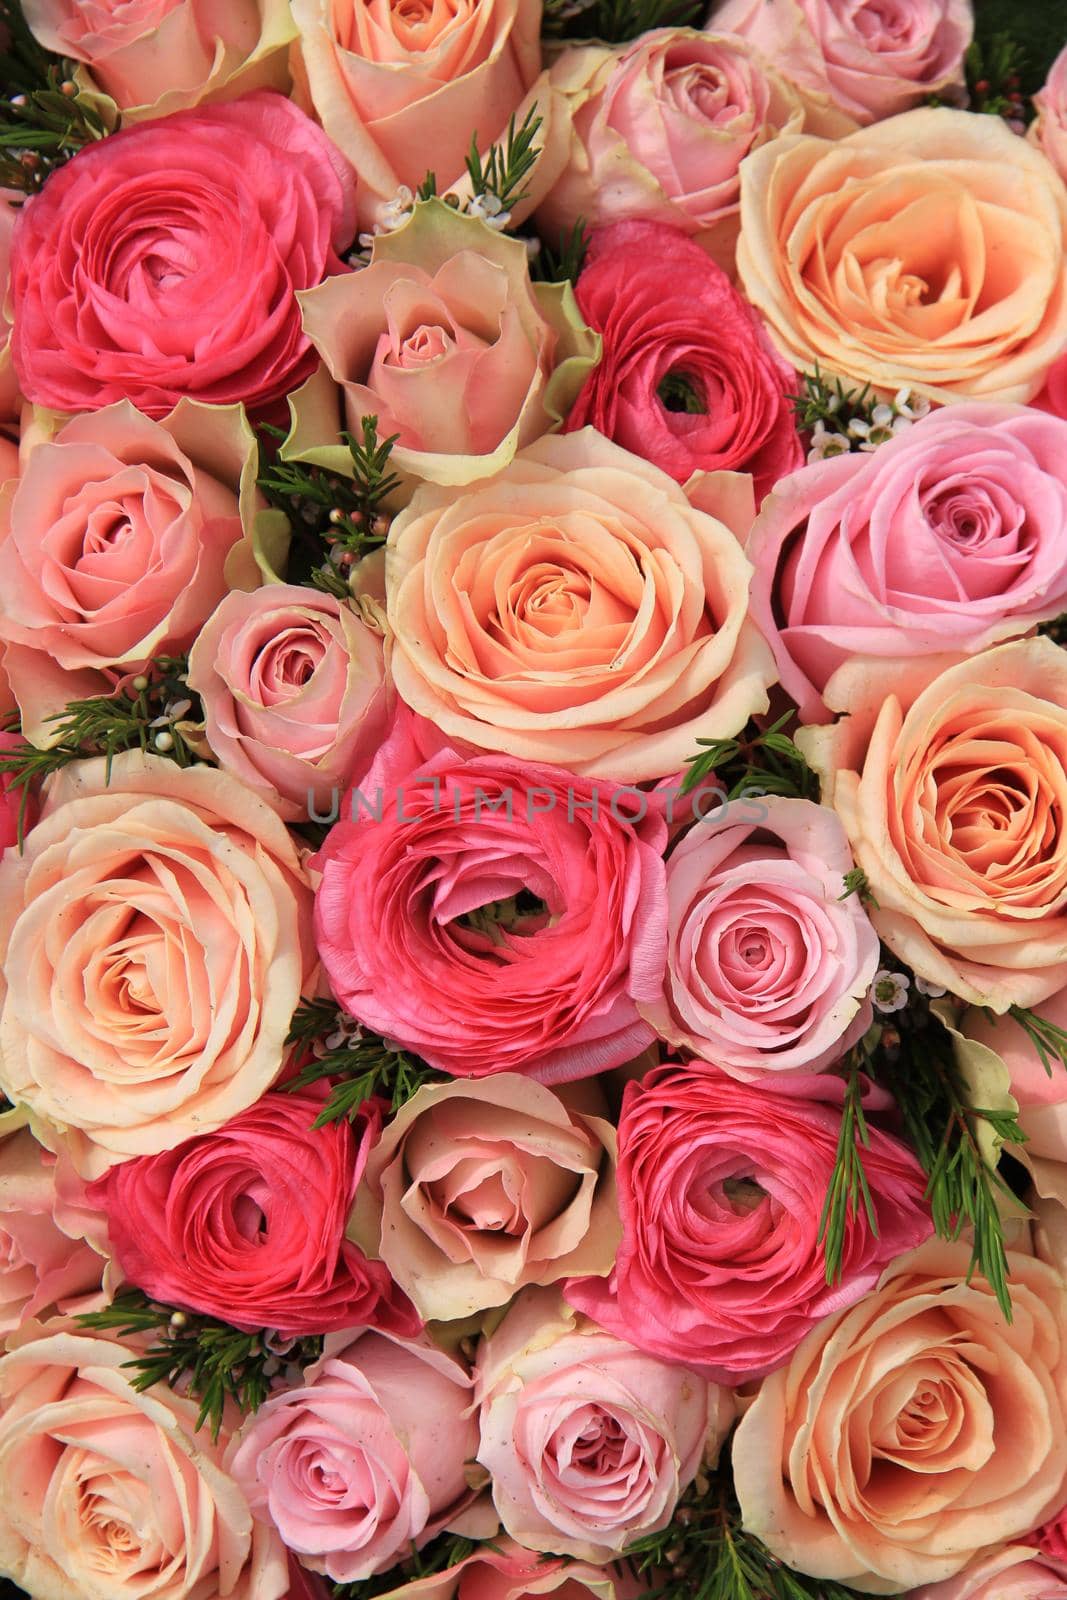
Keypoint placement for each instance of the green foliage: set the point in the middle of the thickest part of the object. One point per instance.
(1048, 1040)
(848, 1184)
(507, 163)
(856, 883)
(215, 1361)
(43, 119)
(146, 715)
(566, 262)
(994, 67)
(440, 1555)
(616, 21)
(364, 1064)
(758, 761)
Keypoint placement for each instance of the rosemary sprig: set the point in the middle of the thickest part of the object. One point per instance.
(994, 70)
(615, 21)
(1048, 1040)
(759, 760)
(213, 1360)
(848, 1183)
(366, 1066)
(566, 262)
(856, 883)
(507, 162)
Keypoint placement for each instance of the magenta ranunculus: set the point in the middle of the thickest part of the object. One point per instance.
(721, 1188)
(247, 1223)
(688, 378)
(164, 261)
(768, 967)
(496, 916)
(366, 1458)
(940, 543)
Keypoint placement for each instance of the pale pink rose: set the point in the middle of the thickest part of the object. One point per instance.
(155, 938)
(588, 1442)
(505, 1571)
(768, 968)
(936, 545)
(154, 57)
(40, 1267)
(365, 1458)
(1016, 1572)
(399, 90)
(11, 201)
(870, 57)
(294, 692)
(577, 609)
(912, 1432)
(1049, 130)
(661, 127)
(954, 807)
(446, 341)
(108, 1494)
(476, 1189)
(116, 542)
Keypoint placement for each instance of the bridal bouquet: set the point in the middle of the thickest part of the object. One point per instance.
(533, 892)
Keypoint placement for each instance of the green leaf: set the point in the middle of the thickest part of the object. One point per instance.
(365, 1066)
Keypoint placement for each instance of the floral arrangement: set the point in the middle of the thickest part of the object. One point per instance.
(533, 800)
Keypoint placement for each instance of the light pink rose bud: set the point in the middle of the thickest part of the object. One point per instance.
(40, 1267)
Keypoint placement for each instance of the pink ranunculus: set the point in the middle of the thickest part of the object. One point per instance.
(365, 1458)
(12, 808)
(164, 261)
(40, 1267)
(498, 917)
(589, 1442)
(1009, 1572)
(721, 1267)
(247, 1223)
(1049, 130)
(155, 938)
(768, 968)
(155, 57)
(503, 1570)
(107, 1493)
(936, 545)
(116, 541)
(294, 692)
(872, 58)
(1053, 396)
(687, 378)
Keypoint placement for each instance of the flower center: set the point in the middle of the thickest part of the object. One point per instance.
(680, 391)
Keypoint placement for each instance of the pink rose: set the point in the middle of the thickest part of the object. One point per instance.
(475, 1189)
(1049, 130)
(720, 1267)
(588, 1442)
(294, 692)
(687, 378)
(871, 58)
(1015, 1572)
(110, 1494)
(40, 1267)
(11, 202)
(447, 342)
(954, 806)
(505, 1571)
(768, 968)
(153, 57)
(155, 938)
(164, 261)
(363, 1460)
(914, 1431)
(497, 918)
(397, 91)
(1053, 396)
(661, 127)
(115, 543)
(939, 544)
(247, 1223)
(577, 609)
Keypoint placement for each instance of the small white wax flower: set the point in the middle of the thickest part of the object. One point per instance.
(933, 991)
(889, 991)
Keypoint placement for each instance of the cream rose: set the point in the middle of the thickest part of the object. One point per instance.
(915, 1430)
(926, 252)
(475, 1189)
(155, 938)
(956, 809)
(577, 609)
(107, 1494)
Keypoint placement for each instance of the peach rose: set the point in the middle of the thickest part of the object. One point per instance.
(400, 88)
(294, 692)
(577, 609)
(926, 252)
(915, 1430)
(1049, 130)
(870, 57)
(447, 342)
(956, 810)
(155, 938)
(40, 1267)
(661, 127)
(116, 542)
(108, 1494)
(1018, 1572)
(476, 1189)
(151, 57)
(10, 202)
